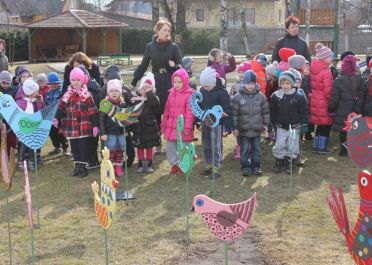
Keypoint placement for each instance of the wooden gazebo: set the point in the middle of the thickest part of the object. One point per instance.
(55, 38)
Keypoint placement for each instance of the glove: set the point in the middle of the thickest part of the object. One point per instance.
(303, 129)
(95, 131)
(55, 123)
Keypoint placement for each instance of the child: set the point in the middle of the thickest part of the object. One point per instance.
(53, 95)
(29, 101)
(79, 120)
(215, 61)
(287, 108)
(187, 64)
(366, 73)
(22, 73)
(42, 81)
(6, 87)
(251, 115)
(146, 133)
(242, 68)
(258, 66)
(112, 133)
(344, 97)
(321, 87)
(214, 93)
(178, 103)
(364, 105)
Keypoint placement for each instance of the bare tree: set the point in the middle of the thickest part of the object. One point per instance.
(290, 7)
(245, 31)
(178, 17)
(155, 11)
(167, 6)
(223, 31)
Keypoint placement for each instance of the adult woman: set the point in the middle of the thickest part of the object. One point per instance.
(165, 59)
(77, 59)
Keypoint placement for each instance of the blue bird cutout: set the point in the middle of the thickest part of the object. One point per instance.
(210, 117)
(31, 129)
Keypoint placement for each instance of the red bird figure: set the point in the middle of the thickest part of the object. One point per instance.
(225, 221)
(359, 140)
(359, 242)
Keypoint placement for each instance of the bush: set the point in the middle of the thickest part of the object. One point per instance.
(16, 40)
(135, 40)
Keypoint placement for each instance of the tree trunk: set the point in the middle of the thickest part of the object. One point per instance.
(223, 32)
(308, 21)
(182, 7)
(155, 11)
(168, 12)
(289, 6)
(370, 12)
(245, 32)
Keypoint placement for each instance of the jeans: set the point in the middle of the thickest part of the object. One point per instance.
(116, 142)
(216, 141)
(252, 144)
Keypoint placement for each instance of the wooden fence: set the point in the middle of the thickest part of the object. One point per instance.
(319, 16)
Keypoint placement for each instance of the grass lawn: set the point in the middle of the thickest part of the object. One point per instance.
(292, 224)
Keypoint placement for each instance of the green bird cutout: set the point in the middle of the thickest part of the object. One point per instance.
(185, 151)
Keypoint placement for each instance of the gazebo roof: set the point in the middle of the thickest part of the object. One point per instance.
(76, 19)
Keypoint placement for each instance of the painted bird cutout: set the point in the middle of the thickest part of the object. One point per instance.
(31, 129)
(105, 204)
(210, 117)
(359, 140)
(186, 151)
(225, 221)
(7, 163)
(119, 115)
(359, 241)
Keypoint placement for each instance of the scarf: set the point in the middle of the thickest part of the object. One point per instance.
(82, 92)
(280, 93)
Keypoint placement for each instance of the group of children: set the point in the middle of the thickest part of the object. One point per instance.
(281, 100)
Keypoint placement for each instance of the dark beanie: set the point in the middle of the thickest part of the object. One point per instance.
(344, 54)
(249, 77)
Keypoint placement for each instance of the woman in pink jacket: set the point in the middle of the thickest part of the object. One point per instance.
(321, 87)
(178, 103)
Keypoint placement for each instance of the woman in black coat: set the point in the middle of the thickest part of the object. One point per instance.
(76, 60)
(344, 97)
(165, 59)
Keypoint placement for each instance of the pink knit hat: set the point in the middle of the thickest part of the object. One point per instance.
(244, 66)
(77, 73)
(115, 84)
(323, 52)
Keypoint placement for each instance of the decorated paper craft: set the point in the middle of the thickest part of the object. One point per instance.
(119, 115)
(7, 166)
(106, 204)
(359, 241)
(210, 117)
(225, 221)
(186, 151)
(359, 140)
(30, 129)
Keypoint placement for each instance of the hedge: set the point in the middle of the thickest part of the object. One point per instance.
(19, 39)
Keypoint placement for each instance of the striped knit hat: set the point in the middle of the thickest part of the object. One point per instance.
(323, 52)
(287, 75)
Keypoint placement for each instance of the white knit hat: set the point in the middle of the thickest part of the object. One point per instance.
(147, 79)
(208, 77)
(115, 84)
(30, 87)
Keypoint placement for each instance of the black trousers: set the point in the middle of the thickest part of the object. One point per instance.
(343, 136)
(131, 154)
(92, 146)
(25, 153)
(323, 130)
(58, 139)
(79, 149)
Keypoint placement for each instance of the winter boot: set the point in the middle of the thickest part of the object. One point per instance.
(140, 166)
(316, 144)
(323, 145)
(237, 152)
(118, 171)
(343, 150)
(308, 136)
(83, 171)
(174, 169)
(76, 170)
(278, 165)
(148, 168)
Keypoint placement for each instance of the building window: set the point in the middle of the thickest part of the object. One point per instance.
(250, 16)
(199, 14)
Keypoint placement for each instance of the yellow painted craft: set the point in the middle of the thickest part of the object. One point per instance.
(105, 204)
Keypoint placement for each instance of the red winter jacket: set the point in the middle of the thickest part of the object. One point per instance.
(321, 87)
(178, 103)
(260, 71)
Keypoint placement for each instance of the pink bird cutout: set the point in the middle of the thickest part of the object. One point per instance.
(28, 200)
(225, 221)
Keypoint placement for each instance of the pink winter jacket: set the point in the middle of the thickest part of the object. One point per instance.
(178, 103)
(321, 87)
